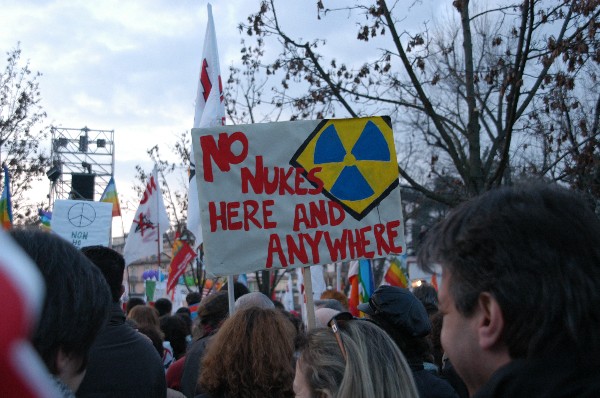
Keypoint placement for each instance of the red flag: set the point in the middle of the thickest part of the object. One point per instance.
(353, 301)
(434, 281)
(183, 254)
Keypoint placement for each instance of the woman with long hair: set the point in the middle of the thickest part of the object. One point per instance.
(352, 358)
(251, 356)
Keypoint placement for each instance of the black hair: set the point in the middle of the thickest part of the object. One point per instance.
(213, 309)
(163, 306)
(185, 315)
(428, 296)
(239, 289)
(176, 331)
(193, 298)
(77, 297)
(112, 266)
(132, 302)
(536, 250)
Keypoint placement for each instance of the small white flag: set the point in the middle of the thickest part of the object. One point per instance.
(151, 221)
(209, 112)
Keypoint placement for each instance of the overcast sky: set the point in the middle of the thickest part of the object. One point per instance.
(132, 65)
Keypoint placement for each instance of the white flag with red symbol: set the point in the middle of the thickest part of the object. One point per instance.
(209, 112)
(151, 221)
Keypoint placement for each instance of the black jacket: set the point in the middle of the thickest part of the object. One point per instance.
(192, 365)
(559, 375)
(429, 385)
(123, 363)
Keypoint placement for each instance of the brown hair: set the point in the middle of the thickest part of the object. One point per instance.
(251, 356)
(145, 317)
(335, 295)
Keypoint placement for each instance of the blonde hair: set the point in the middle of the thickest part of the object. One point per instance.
(374, 368)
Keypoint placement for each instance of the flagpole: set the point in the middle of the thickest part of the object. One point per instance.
(308, 294)
(230, 294)
(158, 223)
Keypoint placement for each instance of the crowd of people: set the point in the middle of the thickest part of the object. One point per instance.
(517, 314)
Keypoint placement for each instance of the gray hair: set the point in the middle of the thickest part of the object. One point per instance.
(329, 303)
(254, 299)
(374, 368)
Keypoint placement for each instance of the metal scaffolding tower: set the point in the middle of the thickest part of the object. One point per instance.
(83, 162)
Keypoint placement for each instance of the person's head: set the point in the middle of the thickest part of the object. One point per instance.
(329, 303)
(192, 298)
(279, 305)
(132, 302)
(428, 296)
(254, 299)
(184, 311)
(336, 295)
(175, 331)
(112, 266)
(520, 279)
(251, 356)
(372, 367)
(323, 315)
(163, 306)
(144, 315)
(397, 311)
(186, 318)
(239, 289)
(212, 311)
(75, 307)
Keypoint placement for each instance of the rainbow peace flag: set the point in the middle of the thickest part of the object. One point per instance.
(45, 218)
(394, 275)
(110, 196)
(6, 217)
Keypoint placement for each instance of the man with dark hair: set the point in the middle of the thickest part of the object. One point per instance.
(520, 292)
(123, 363)
(75, 306)
(163, 306)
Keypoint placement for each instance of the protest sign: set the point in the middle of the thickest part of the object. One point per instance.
(293, 194)
(83, 222)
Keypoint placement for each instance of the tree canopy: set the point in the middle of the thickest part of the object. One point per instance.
(497, 92)
(20, 133)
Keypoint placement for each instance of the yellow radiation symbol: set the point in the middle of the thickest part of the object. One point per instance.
(357, 160)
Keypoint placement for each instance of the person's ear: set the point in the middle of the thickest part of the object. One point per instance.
(68, 369)
(491, 322)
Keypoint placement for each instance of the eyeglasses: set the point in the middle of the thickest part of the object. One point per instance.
(333, 324)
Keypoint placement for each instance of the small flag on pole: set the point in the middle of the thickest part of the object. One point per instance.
(183, 254)
(360, 276)
(110, 196)
(394, 275)
(6, 217)
(45, 218)
(209, 112)
(150, 222)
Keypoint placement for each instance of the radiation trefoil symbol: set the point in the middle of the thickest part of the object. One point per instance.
(357, 160)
